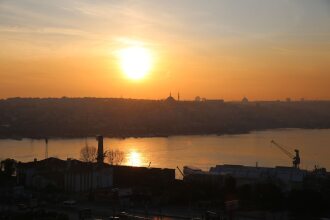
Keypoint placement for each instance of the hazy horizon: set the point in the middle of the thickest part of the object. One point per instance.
(164, 98)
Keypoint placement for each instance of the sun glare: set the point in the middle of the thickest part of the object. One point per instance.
(134, 159)
(135, 62)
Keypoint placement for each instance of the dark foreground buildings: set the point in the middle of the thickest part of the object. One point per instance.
(76, 176)
(72, 175)
(248, 192)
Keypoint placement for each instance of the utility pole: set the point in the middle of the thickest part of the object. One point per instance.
(46, 150)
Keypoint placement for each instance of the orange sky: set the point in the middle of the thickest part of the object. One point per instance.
(223, 49)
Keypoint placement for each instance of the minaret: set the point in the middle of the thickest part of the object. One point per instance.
(100, 154)
(178, 96)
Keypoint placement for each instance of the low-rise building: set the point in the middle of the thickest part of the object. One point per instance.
(286, 177)
(68, 175)
(77, 176)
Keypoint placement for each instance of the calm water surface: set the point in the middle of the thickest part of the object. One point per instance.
(198, 151)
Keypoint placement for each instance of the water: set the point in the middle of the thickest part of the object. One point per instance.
(199, 151)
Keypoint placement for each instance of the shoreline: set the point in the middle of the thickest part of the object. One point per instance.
(19, 138)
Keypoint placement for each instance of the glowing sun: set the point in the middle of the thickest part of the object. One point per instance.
(135, 62)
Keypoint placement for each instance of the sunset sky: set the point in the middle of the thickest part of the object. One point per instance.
(260, 49)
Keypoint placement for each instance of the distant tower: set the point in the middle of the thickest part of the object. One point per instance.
(178, 96)
(100, 154)
(46, 150)
(245, 100)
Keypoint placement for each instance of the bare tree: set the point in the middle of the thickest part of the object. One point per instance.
(115, 157)
(88, 154)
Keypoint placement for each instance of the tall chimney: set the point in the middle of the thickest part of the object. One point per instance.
(100, 155)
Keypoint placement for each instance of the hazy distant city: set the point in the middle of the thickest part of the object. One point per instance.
(83, 117)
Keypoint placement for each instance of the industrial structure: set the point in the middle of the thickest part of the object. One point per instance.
(72, 175)
(100, 152)
(295, 158)
(286, 177)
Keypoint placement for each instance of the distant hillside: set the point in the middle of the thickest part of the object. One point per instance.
(80, 117)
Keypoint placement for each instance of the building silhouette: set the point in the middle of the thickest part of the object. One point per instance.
(170, 98)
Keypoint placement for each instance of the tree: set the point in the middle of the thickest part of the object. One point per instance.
(115, 157)
(88, 154)
(8, 166)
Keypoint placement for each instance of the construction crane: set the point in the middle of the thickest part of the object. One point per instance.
(180, 171)
(295, 158)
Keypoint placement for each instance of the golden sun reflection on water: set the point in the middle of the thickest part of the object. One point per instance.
(134, 158)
